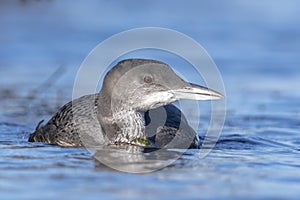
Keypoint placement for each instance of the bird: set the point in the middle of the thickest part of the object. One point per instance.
(134, 107)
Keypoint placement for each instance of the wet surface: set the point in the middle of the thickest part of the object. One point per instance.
(255, 46)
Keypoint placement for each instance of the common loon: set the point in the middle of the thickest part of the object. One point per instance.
(133, 107)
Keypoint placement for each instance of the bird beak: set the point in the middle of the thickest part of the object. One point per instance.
(188, 91)
(196, 92)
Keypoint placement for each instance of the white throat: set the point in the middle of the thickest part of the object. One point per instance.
(132, 127)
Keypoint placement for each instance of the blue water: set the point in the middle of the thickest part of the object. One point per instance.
(256, 47)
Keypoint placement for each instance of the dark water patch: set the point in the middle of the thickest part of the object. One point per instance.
(247, 142)
(27, 158)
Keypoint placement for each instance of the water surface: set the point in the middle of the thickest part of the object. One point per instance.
(256, 46)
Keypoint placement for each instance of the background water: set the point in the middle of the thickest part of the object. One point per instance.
(256, 47)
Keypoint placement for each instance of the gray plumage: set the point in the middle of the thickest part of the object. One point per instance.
(133, 107)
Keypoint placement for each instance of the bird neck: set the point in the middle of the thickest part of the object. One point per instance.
(132, 127)
(121, 124)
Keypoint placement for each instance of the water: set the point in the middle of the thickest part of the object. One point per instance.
(256, 47)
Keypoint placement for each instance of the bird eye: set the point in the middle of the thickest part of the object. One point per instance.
(148, 79)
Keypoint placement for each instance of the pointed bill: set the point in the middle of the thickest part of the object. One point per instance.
(196, 92)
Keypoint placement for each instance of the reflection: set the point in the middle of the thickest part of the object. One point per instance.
(134, 159)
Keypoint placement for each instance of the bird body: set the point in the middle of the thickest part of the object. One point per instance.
(133, 107)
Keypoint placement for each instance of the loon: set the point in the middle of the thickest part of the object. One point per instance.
(134, 107)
